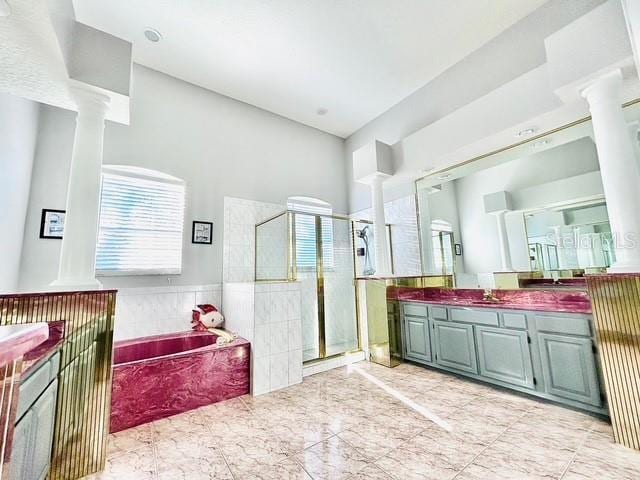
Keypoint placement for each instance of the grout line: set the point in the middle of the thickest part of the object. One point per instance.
(491, 443)
(575, 454)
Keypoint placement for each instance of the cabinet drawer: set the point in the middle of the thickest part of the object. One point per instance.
(515, 320)
(474, 316)
(438, 313)
(561, 324)
(415, 309)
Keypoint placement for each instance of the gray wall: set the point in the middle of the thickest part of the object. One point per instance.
(218, 145)
(18, 130)
(511, 54)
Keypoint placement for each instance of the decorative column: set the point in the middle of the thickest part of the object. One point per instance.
(372, 165)
(426, 238)
(78, 253)
(618, 168)
(503, 240)
(498, 204)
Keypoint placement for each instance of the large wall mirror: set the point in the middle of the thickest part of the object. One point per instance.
(531, 215)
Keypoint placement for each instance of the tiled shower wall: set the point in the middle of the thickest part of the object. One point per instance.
(141, 312)
(401, 214)
(240, 219)
(268, 315)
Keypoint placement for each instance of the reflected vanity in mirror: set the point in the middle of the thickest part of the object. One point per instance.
(530, 216)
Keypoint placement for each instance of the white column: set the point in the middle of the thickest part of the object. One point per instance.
(560, 245)
(78, 254)
(379, 228)
(618, 168)
(503, 241)
(426, 237)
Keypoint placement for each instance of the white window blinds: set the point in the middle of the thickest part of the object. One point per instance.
(305, 226)
(141, 223)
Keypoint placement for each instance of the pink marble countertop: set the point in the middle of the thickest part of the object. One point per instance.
(528, 299)
(43, 352)
(16, 340)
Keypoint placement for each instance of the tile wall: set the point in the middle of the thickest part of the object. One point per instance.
(268, 315)
(401, 214)
(141, 312)
(240, 219)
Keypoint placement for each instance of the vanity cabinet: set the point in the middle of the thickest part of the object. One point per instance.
(569, 367)
(454, 346)
(33, 433)
(550, 355)
(418, 344)
(504, 355)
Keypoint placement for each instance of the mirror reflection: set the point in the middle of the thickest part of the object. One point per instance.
(531, 215)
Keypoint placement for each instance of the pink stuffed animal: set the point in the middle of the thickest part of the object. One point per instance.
(206, 316)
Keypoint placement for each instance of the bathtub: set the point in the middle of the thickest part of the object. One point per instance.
(156, 377)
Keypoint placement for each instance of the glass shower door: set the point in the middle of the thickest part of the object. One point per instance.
(340, 323)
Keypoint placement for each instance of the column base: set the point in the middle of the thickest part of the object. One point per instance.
(72, 284)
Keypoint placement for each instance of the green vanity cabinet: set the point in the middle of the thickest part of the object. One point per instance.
(418, 345)
(504, 355)
(569, 367)
(454, 345)
(33, 433)
(550, 355)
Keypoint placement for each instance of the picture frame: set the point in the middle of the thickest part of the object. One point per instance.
(202, 232)
(52, 223)
(458, 249)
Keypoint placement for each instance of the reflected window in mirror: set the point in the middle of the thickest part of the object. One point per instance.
(442, 241)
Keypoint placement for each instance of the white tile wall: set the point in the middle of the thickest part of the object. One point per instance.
(142, 312)
(268, 315)
(240, 218)
(401, 214)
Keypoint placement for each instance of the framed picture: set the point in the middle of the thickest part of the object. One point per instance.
(202, 232)
(52, 223)
(458, 248)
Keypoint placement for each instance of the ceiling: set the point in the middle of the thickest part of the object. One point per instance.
(354, 58)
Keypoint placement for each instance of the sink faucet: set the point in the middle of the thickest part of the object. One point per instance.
(487, 296)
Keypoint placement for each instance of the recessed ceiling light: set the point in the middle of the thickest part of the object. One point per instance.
(322, 111)
(152, 35)
(444, 176)
(526, 132)
(5, 9)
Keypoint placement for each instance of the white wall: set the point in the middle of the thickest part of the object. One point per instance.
(219, 146)
(18, 131)
(509, 56)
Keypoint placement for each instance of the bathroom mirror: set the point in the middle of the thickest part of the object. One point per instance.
(532, 215)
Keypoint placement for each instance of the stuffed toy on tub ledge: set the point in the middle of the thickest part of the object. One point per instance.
(207, 318)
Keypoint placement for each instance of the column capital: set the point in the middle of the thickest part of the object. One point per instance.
(605, 88)
(90, 101)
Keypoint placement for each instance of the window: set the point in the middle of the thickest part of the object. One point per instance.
(141, 222)
(306, 231)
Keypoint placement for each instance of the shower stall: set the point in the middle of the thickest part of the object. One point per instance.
(318, 252)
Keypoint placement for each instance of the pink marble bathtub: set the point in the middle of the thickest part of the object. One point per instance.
(156, 377)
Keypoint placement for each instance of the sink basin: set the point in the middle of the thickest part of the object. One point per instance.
(485, 302)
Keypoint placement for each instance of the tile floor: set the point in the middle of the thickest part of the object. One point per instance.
(339, 425)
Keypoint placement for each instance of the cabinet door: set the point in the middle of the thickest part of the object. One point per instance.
(455, 346)
(21, 450)
(569, 368)
(504, 355)
(417, 346)
(44, 411)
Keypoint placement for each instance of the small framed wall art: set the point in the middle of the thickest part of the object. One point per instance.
(202, 232)
(52, 223)
(458, 249)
